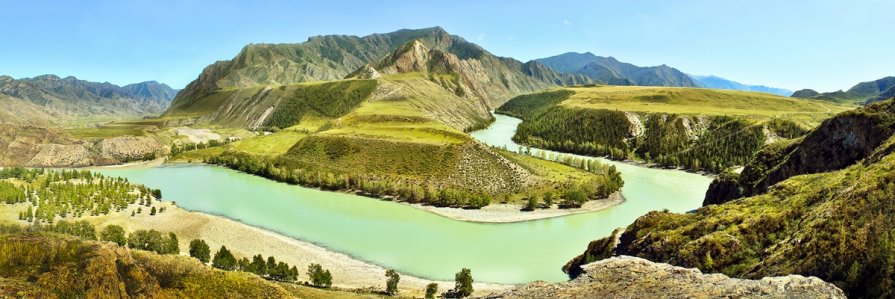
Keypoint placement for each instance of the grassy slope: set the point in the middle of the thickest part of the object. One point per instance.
(46, 264)
(752, 105)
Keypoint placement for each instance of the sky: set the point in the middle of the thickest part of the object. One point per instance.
(823, 45)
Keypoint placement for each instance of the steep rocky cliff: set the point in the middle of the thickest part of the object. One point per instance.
(631, 277)
(837, 143)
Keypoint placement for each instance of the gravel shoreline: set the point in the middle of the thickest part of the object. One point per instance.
(507, 213)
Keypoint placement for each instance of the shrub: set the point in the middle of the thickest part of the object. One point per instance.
(200, 250)
(114, 234)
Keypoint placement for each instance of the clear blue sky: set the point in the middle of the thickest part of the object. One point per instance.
(825, 45)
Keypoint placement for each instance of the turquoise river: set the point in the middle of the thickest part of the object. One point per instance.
(417, 242)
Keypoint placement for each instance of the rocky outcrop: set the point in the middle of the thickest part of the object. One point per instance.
(59, 155)
(411, 57)
(364, 72)
(724, 188)
(596, 250)
(631, 277)
(43, 147)
(128, 148)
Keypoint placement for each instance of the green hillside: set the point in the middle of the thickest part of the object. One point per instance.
(870, 91)
(819, 206)
(701, 129)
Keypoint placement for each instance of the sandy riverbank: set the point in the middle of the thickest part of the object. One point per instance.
(506, 213)
(245, 241)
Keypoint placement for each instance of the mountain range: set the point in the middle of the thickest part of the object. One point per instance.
(608, 70)
(864, 92)
(71, 97)
(332, 57)
(721, 83)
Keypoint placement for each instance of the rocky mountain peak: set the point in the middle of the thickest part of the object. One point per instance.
(411, 57)
(364, 72)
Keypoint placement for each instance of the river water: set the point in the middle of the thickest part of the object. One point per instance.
(414, 241)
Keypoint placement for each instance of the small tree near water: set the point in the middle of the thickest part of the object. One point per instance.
(319, 277)
(431, 290)
(463, 283)
(391, 285)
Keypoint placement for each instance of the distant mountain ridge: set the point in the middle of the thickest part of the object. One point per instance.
(608, 70)
(72, 96)
(716, 82)
(333, 57)
(862, 93)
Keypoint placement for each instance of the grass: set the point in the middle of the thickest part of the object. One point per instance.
(552, 176)
(105, 132)
(753, 105)
(198, 155)
(269, 145)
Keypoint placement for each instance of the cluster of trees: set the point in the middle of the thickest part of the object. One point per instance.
(586, 164)
(575, 194)
(225, 260)
(370, 185)
(10, 193)
(319, 276)
(150, 240)
(530, 105)
(328, 99)
(179, 148)
(665, 140)
(581, 131)
(28, 175)
(70, 193)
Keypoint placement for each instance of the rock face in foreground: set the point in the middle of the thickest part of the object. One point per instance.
(631, 277)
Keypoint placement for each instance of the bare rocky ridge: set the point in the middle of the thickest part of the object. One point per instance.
(43, 147)
(631, 277)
